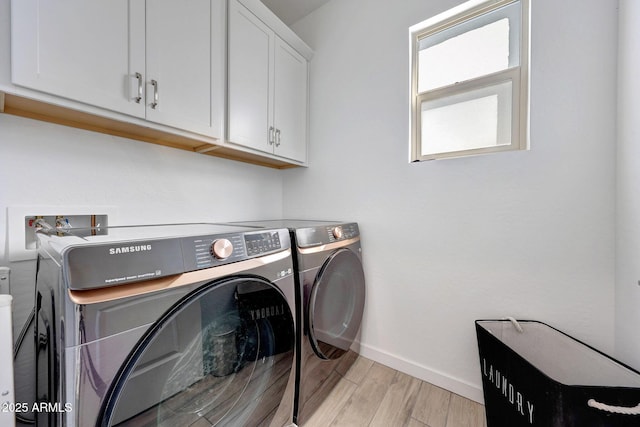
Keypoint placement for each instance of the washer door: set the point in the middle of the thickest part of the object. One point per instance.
(336, 304)
(210, 359)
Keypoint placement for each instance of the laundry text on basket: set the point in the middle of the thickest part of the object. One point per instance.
(508, 390)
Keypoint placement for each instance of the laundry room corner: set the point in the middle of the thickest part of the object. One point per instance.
(282, 238)
(450, 241)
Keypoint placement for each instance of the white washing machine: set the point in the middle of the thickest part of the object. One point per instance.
(331, 291)
(170, 325)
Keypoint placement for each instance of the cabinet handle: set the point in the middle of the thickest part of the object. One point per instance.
(271, 138)
(139, 97)
(156, 97)
(277, 137)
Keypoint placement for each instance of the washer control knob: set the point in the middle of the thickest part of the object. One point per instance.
(221, 248)
(337, 232)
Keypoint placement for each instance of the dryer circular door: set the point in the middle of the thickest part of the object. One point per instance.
(336, 304)
(209, 360)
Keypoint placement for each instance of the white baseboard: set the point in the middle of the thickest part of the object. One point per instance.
(447, 382)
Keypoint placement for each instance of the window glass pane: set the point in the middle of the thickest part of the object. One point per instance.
(472, 54)
(471, 120)
(478, 47)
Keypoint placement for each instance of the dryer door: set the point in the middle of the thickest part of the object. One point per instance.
(336, 304)
(221, 355)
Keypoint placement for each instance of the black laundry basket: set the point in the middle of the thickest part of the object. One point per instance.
(536, 375)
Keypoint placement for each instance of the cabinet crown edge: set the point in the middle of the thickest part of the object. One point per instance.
(272, 21)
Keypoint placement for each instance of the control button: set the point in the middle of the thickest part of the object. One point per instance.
(337, 232)
(222, 248)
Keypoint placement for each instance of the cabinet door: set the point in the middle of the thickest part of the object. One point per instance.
(179, 60)
(290, 112)
(88, 51)
(250, 88)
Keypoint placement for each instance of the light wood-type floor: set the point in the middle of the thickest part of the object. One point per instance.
(370, 394)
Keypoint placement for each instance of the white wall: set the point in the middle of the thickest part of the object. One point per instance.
(51, 165)
(527, 234)
(628, 197)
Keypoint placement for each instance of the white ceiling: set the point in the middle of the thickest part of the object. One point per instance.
(290, 11)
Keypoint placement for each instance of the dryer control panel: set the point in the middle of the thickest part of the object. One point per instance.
(324, 234)
(342, 232)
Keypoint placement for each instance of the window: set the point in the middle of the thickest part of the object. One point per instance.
(469, 80)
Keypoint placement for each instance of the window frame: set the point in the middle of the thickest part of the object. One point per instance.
(517, 75)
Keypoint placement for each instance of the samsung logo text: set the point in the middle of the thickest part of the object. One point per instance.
(129, 249)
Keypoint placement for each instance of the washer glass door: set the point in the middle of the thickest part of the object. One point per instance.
(336, 304)
(209, 360)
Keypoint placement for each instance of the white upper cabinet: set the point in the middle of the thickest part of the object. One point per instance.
(249, 86)
(88, 51)
(219, 77)
(161, 60)
(180, 52)
(290, 102)
(267, 86)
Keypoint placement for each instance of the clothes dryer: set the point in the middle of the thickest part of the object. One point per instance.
(172, 325)
(331, 292)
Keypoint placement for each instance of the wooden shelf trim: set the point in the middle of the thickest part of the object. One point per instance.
(38, 110)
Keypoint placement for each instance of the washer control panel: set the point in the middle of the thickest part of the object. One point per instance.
(221, 248)
(262, 243)
(134, 254)
(210, 251)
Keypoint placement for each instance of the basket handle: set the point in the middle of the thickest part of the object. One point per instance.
(635, 410)
(515, 323)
